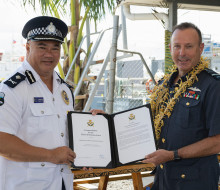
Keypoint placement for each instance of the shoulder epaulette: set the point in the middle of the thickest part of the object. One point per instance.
(30, 76)
(15, 80)
(213, 74)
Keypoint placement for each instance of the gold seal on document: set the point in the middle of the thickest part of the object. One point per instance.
(90, 123)
(132, 116)
(65, 97)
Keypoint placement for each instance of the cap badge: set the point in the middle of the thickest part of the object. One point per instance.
(65, 97)
(51, 28)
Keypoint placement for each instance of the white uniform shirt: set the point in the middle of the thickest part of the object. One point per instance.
(38, 124)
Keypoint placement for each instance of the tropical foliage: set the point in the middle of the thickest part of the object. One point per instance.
(168, 58)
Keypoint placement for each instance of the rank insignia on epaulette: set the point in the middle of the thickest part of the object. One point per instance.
(2, 95)
(30, 77)
(14, 80)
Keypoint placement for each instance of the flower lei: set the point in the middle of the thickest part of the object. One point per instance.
(162, 104)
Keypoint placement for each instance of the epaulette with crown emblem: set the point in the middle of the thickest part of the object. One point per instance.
(15, 80)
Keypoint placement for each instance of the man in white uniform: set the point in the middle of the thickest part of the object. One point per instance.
(34, 101)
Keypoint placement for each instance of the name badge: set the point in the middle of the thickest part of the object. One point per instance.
(38, 100)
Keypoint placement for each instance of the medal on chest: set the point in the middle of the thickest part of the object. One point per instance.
(65, 97)
(192, 93)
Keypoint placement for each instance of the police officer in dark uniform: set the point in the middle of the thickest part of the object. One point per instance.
(189, 133)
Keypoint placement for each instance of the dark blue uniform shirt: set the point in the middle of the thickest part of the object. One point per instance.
(195, 116)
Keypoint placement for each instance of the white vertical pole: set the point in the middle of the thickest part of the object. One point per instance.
(113, 53)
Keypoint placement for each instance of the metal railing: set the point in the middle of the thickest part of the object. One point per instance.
(86, 68)
(77, 53)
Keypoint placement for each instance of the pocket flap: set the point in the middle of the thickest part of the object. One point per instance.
(41, 110)
(184, 173)
(41, 165)
(187, 102)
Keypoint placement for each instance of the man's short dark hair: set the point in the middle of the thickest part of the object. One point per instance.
(186, 25)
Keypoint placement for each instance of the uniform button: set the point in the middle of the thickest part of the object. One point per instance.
(161, 166)
(62, 134)
(163, 140)
(53, 99)
(58, 115)
(42, 112)
(183, 176)
(187, 103)
(42, 164)
(61, 170)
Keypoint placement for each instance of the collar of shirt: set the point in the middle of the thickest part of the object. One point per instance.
(171, 85)
(173, 77)
(56, 78)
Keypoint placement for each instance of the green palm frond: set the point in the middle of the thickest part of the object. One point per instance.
(98, 7)
(47, 6)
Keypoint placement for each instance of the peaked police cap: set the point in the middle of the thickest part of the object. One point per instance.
(45, 28)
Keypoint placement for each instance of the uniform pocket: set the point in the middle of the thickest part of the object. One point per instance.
(38, 113)
(41, 110)
(187, 112)
(41, 171)
(184, 173)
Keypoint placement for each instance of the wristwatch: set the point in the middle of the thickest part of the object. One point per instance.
(176, 155)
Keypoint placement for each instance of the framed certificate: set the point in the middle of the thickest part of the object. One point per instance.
(109, 141)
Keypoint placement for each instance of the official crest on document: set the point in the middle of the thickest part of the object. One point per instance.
(90, 123)
(131, 116)
(65, 97)
(2, 95)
